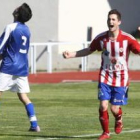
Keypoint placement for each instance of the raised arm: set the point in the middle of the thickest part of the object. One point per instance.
(80, 53)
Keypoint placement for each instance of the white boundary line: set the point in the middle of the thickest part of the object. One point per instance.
(76, 81)
(81, 136)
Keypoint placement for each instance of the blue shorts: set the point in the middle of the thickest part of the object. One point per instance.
(116, 95)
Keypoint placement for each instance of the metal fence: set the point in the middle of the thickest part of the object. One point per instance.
(49, 45)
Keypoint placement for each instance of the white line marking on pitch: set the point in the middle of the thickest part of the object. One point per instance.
(81, 136)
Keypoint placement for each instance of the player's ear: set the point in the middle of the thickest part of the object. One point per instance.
(120, 22)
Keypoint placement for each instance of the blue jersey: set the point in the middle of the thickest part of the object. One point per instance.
(14, 46)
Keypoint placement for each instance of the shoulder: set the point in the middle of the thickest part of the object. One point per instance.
(11, 26)
(101, 35)
(127, 35)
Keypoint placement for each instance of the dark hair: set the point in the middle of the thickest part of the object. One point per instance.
(115, 11)
(24, 13)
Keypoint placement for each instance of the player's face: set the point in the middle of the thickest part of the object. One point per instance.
(113, 22)
(15, 13)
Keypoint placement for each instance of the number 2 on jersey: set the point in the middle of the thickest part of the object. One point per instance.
(24, 38)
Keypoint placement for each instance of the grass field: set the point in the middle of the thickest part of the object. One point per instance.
(66, 111)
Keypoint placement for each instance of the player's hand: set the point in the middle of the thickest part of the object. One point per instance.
(139, 28)
(139, 31)
(66, 54)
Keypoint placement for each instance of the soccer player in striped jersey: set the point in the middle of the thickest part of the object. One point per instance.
(115, 46)
(14, 45)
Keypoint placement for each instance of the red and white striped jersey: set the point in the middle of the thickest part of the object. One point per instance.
(115, 54)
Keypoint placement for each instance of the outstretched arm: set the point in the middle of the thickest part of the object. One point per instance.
(80, 53)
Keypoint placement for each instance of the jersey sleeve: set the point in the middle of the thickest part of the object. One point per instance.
(95, 45)
(134, 46)
(4, 38)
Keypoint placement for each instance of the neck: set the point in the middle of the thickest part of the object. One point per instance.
(113, 35)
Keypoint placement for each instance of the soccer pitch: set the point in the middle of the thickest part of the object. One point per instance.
(66, 111)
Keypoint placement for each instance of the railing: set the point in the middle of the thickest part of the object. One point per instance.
(49, 46)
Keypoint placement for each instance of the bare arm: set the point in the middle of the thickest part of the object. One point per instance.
(80, 53)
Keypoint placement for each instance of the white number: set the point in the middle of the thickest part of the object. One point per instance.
(24, 38)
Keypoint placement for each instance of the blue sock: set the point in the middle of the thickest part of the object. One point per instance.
(31, 114)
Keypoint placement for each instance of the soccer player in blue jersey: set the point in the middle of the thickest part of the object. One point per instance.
(14, 46)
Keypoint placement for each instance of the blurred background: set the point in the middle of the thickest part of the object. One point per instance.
(59, 25)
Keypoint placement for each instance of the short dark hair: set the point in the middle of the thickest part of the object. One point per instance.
(24, 13)
(115, 11)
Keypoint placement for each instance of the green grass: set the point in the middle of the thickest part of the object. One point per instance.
(65, 110)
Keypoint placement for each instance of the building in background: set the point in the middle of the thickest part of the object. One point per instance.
(69, 20)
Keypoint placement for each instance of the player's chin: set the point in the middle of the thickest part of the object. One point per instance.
(111, 29)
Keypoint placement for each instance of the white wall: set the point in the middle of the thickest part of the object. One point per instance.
(68, 20)
(75, 16)
(44, 22)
